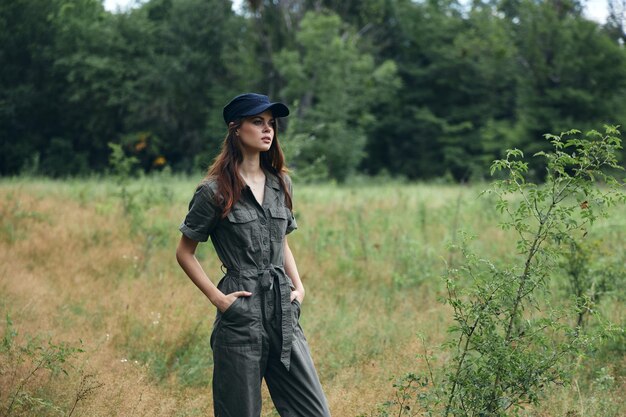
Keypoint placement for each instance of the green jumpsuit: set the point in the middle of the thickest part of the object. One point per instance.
(258, 336)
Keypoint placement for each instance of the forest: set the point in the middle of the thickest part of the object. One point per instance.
(391, 88)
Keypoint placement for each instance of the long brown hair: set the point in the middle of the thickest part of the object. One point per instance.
(225, 168)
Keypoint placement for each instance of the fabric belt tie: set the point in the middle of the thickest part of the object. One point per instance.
(266, 278)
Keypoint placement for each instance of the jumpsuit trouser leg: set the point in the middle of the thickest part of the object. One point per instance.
(240, 367)
(296, 392)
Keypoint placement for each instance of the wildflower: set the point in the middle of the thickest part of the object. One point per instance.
(159, 161)
(139, 146)
(156, 317)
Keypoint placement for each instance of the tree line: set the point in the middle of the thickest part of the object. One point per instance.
(427, 89)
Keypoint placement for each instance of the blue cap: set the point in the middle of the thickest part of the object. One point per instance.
(249, 104)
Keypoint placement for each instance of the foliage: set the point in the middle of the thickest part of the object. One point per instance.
(135, 202)
(410, 390)
(511, 343)
(123, 169)
(333, 87)
(23, 360)
(445, 62)
(506, 354)
(414, 89)
(592, 275)
(562, 55)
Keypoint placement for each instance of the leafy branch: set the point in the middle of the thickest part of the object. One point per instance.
(508, 347)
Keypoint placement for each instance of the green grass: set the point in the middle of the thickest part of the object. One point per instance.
(371, 258)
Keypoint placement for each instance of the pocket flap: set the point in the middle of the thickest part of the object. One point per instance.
(279, 213)
(241, 216)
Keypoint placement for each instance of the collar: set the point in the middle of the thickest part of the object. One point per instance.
(272, 180)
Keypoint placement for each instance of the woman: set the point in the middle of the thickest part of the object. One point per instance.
(244, 205)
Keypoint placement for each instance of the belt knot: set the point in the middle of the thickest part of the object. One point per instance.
(267, 278)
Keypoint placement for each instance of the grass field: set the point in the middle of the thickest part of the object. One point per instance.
(82, 263)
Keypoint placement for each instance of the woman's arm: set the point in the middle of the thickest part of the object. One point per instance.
(292, 271)
(185, 255)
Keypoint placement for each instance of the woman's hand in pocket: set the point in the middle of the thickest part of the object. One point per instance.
(297, 295)
(227, 300)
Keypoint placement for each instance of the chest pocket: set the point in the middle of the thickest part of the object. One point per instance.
(278, 227)
(244, 226)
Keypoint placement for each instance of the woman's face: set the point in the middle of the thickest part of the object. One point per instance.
(257, 132)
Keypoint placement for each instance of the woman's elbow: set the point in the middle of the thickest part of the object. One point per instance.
(183, 252)
(179, 255)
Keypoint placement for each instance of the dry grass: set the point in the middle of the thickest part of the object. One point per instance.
(73, 269)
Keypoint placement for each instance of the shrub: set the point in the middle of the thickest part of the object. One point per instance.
(509, 346)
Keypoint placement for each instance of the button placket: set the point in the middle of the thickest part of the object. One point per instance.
(265, 230)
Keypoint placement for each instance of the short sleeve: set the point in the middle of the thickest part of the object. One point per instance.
(203, 215)
(291, 220)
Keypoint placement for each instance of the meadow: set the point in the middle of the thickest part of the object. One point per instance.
(89, 285)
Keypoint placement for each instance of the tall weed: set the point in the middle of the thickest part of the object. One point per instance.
(510, 342)
(28, 369)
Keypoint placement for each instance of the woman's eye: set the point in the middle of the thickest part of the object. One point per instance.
(259, 122)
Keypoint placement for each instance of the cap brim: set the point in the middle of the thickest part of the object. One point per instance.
(277, 109)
